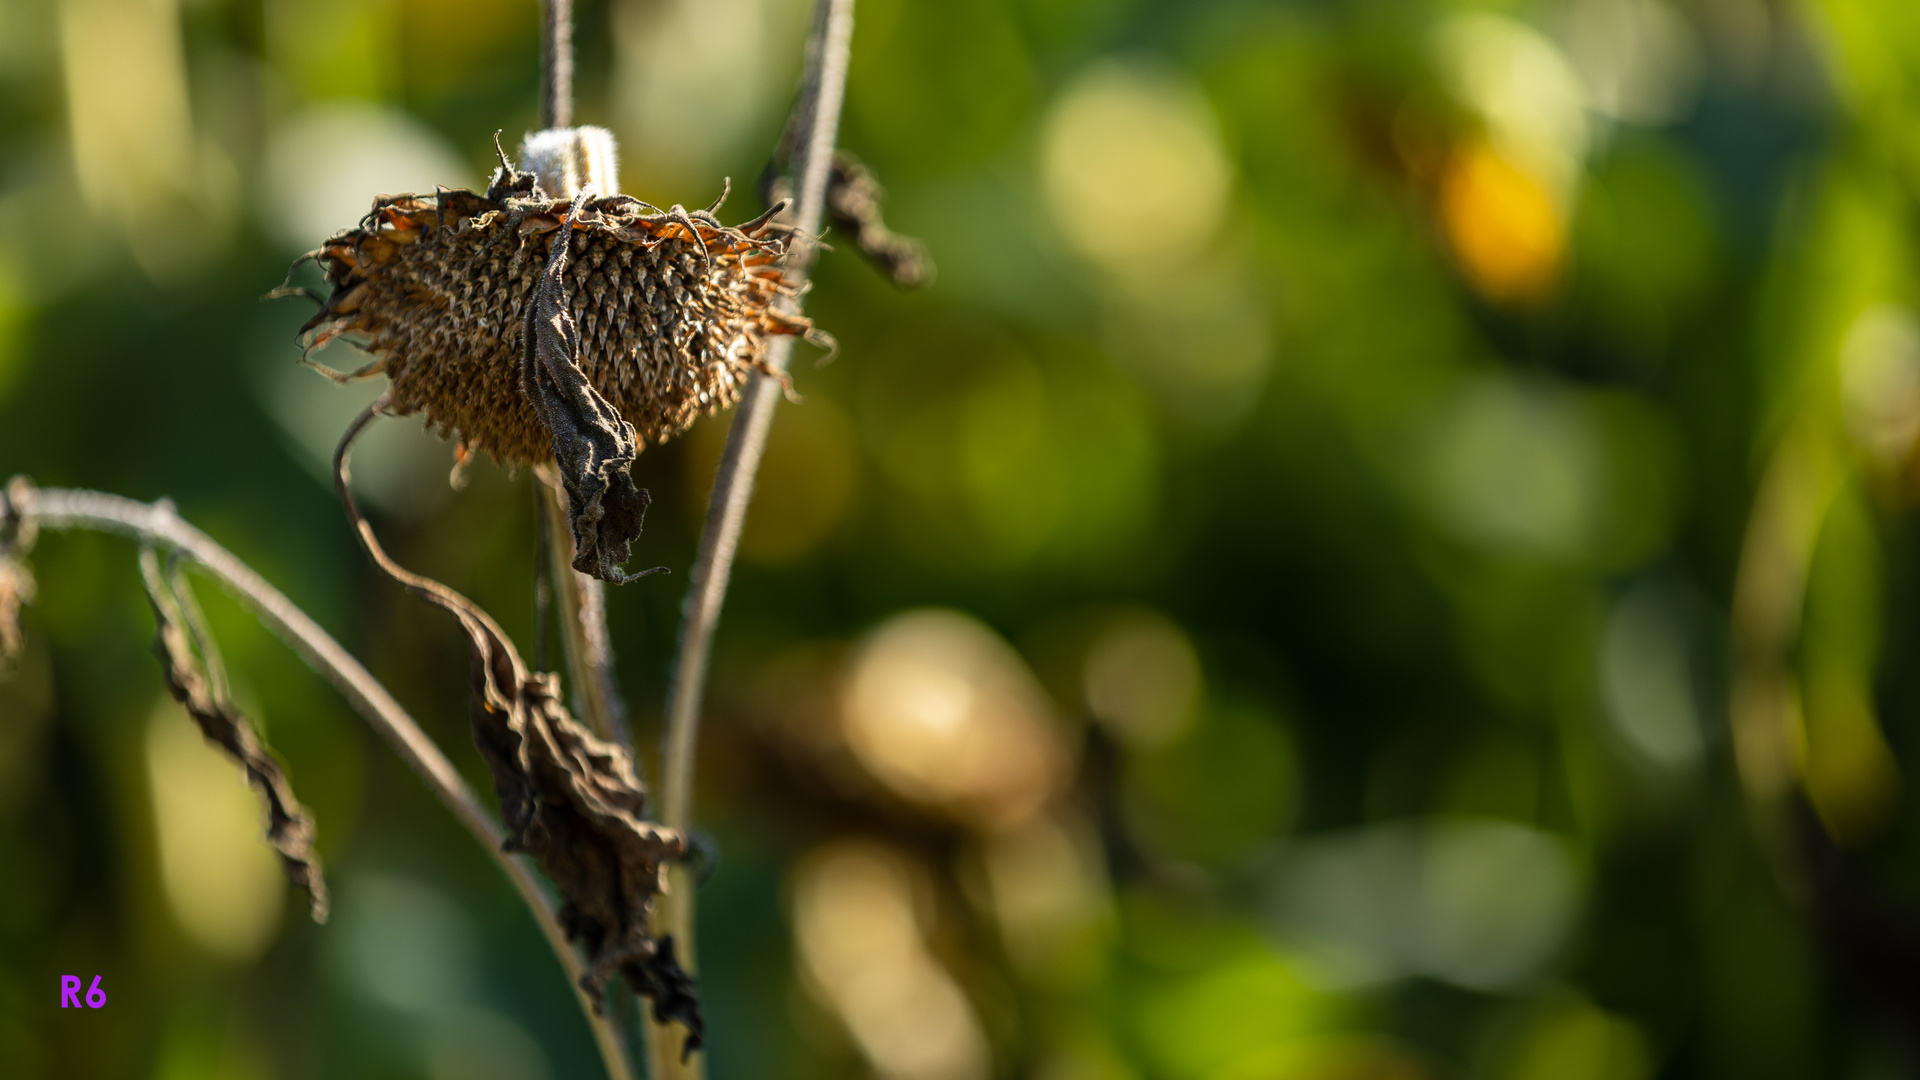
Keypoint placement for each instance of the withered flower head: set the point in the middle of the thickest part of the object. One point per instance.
(538, 328)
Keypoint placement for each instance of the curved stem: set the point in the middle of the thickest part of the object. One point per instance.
(817, 117)
(58, 508)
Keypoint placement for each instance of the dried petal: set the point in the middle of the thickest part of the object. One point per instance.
(181, 648)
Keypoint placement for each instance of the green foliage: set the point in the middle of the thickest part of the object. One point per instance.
(1431, 485)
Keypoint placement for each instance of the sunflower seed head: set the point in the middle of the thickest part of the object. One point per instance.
(673, 311)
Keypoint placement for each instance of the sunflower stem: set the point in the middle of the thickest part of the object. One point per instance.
(556, 64)
(585, 645)
(61, 509)
(816, 125)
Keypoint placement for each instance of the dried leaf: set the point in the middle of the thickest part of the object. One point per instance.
(592, 444)
(853, 207)
(182, 646)
(574, 803)
(569, 799)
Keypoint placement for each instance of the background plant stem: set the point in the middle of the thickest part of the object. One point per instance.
(816, 126)
(58, 508)
(556, 64)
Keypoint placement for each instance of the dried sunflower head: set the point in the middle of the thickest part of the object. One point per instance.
(573, 329)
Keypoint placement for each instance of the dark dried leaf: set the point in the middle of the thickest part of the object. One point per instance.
(853, 207)
(574, 803)
(569, 799)
(182, 648)
(673, 994)
(592, 444)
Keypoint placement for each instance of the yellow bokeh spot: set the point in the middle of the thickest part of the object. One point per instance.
(222, 881)
(943, 712)
(860, 930)
(1569, 1038)
(1133, 168)
(1503, 224)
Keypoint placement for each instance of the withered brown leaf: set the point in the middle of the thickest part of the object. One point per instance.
(854, 195)
(593, 445)
(191, 664)
(853, 205)
(569, 799)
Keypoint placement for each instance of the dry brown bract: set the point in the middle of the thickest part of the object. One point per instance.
(571, 330)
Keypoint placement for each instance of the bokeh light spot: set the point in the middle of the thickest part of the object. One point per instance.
(1133, 168)
(325, 164)
(1503, 224)
(943, 712)
(223, 883)
(863, 953)
(1142, 679)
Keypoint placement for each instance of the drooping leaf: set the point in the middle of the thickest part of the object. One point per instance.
(192, 669)
(593, 445)
(567, 798)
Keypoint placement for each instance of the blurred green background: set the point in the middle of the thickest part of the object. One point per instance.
(1386, 553)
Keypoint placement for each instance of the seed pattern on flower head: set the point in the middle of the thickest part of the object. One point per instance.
(673, 309)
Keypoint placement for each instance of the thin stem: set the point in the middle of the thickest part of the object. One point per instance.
(817, 113)
(542, 584)
(556, 64)
(747, 439)
(584, 641)
(58, 508)
(582, 600)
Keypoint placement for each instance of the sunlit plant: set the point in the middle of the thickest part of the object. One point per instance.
(558, 324)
